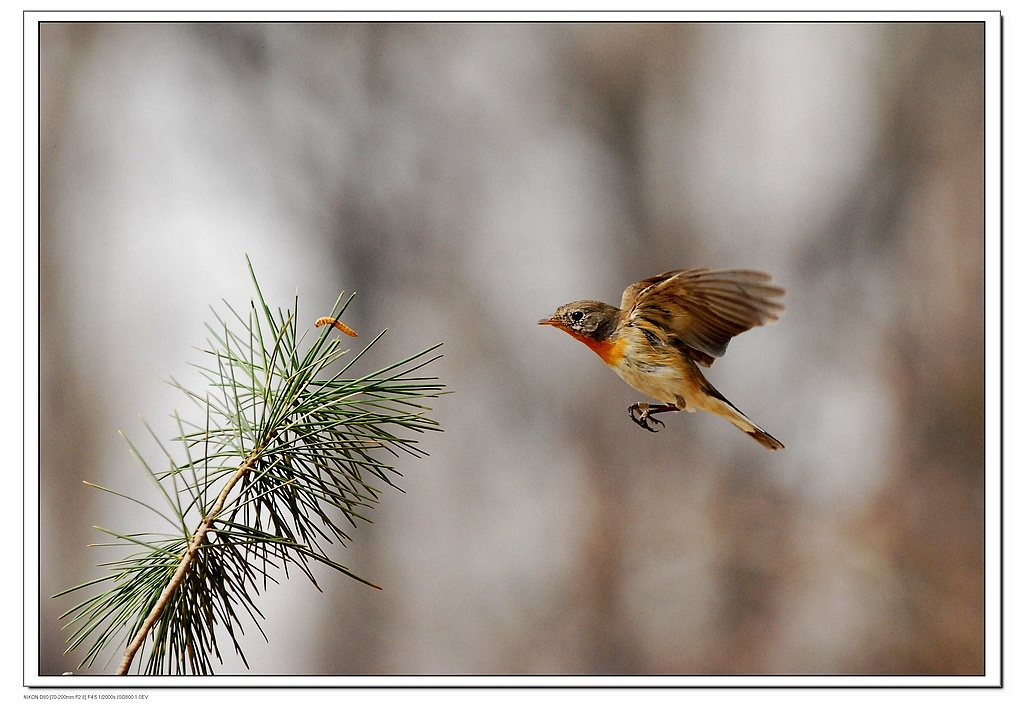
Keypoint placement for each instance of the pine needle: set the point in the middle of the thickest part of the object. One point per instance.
(280, 470)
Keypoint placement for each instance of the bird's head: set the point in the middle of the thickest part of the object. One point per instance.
(585, 319)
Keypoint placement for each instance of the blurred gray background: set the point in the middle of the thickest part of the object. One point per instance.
(465, 179)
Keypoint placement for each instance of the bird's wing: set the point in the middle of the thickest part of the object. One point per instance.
(703, 309)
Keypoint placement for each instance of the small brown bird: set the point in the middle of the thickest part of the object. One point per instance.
(665, 327)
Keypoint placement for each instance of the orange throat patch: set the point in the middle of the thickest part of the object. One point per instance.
(610, 351)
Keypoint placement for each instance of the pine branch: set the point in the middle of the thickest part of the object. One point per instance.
(286, 463)
(198, 538)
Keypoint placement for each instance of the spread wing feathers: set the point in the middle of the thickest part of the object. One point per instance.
(703, 309)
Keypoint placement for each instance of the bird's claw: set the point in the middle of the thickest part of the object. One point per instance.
(640, 413)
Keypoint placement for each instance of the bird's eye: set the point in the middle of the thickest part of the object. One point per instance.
(576, 315)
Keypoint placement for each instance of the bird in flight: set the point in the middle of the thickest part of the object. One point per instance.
(669, 324)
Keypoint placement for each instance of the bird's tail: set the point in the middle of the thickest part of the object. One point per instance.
(718, 404)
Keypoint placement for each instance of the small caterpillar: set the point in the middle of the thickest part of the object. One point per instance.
(337, 324)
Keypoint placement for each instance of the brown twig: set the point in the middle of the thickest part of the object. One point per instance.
(186, 560)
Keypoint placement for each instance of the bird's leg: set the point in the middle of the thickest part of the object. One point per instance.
(643, 414)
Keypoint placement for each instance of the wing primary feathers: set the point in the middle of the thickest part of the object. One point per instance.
(704, 309)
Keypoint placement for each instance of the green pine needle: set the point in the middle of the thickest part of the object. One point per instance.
(290, 455)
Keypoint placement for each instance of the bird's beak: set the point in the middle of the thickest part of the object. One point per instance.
(550, 321)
